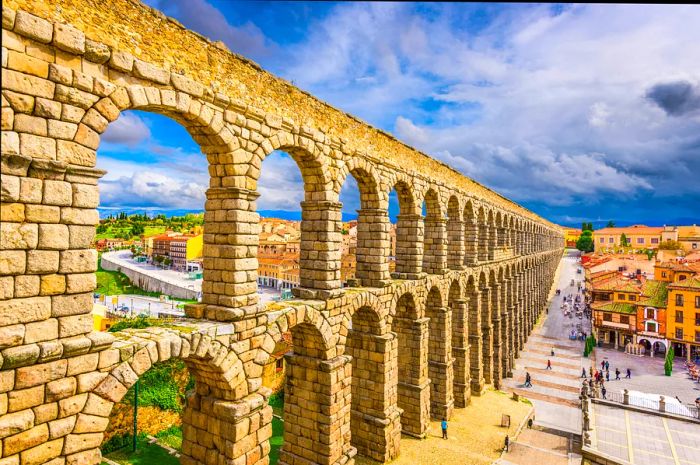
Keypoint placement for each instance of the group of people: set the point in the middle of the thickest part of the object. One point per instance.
(599, 378)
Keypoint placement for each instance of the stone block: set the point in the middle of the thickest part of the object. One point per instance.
(25, 440)
(78, 261)
(42, 214)
(26, 64)
(53, 237)
(53, 284)
(60, 389)
(9, 187)
(21, 399)
(84, 282)
(37, 146)
(14, 423)
(43, 453)
(81, 216)
(12, 212)
(20, 103)
(71, 405)
(40, 374)
(33, 27)
(30, 190)
(58, 193)
(82, 364)
(76, 97)
(45, 412)
(96, 405)
(18, 236)
(11, 336)
(85, 196)
(74, 325)
(121, 61)
(88, 381)
(62, 130)
(41, 331)
(47, 108)
(24, 310)
(42, 261)
(81, 237)
(30, 124)
(27, 84)
(7, 287)
(27, 286)
(96, 52)
(68, 38)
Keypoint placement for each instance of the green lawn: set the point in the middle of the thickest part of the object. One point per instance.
(171, 437)
(146, 454)
(114, 282)
(276, 440)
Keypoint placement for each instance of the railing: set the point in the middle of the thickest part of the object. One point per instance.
(660, 405)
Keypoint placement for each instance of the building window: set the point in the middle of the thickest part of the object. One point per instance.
(621, 296)
(602, 240)
(654, 240)
(611, 240)
(697, 319)
(633, 298)
(650, 313)
(607, 317)
(650, 327)
(663, 274)
(679, 300)
(640, 240)
(279, 364)
(679, 333)
(679, 316)
(697, 301)
(624, 319)
(697, 336)
(682, 277)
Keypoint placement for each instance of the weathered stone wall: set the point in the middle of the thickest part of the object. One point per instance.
(466, 292)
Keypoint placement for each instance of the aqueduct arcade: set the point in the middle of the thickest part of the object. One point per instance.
(370, 362)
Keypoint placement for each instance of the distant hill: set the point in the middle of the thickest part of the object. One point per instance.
(282, 214)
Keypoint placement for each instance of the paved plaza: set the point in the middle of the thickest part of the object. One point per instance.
(124, 259)
(644, 439)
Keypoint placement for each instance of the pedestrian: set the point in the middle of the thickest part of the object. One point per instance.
(590, 371)
(552, 351)
(528, 380)
(629, 374)
(529, 420)
(617, 374)
(507, 442)
(583, 373)
(602, 365)
(607, 365)
(444, 428)
(603, 391)
(549, 365)
(607, 376)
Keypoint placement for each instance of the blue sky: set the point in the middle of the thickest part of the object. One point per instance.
(578, 112)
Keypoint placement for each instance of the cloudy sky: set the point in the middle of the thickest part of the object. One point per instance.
(578, 112)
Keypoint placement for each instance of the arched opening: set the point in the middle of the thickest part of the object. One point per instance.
(411, 329)
(493, 235)
(300, 222)
(375, 419)
(317, 397)
(455, 235)
(366, 244)
(434, 238)
(440, 370)
(406, 232)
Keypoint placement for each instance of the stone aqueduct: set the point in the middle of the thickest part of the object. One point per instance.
(369, 362)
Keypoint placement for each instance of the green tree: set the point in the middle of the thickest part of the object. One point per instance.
(137, 229)
(670, 245)
(624, 242)
(611, 224)
(585, 242)
(668, 363)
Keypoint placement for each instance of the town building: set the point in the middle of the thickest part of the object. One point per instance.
(571, 236)
(638, 236)
(181, 249)
(683, 328)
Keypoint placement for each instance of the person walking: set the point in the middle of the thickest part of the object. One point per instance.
(602, 365)
(583, 373)
(617, 374)
(607, 376)
(444, 428)
(552, 351)
(629, 374)
(549, 364)
(603, 391)
(590, 372)
(607, 365)
(507, 443)
(528, 380)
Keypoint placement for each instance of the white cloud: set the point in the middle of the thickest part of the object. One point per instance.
(128, 129)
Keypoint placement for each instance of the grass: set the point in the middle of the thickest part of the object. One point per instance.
(171, 437)
(276, 440)
(114, 282)
(146, 454)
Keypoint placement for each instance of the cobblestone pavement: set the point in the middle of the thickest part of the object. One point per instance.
(543, 446)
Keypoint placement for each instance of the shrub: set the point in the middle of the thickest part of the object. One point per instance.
(668, 363)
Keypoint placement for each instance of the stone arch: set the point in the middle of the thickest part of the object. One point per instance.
(411, 329)
(471, 233)
(373, 240)
(440, 369)
(409, 229)
(483, 234)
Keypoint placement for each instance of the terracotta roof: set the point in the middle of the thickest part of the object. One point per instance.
(691, 283)
(617, 284)
(615, 307)
(655, 294)
(637, 229)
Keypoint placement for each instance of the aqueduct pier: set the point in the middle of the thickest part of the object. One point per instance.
(369, 362)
